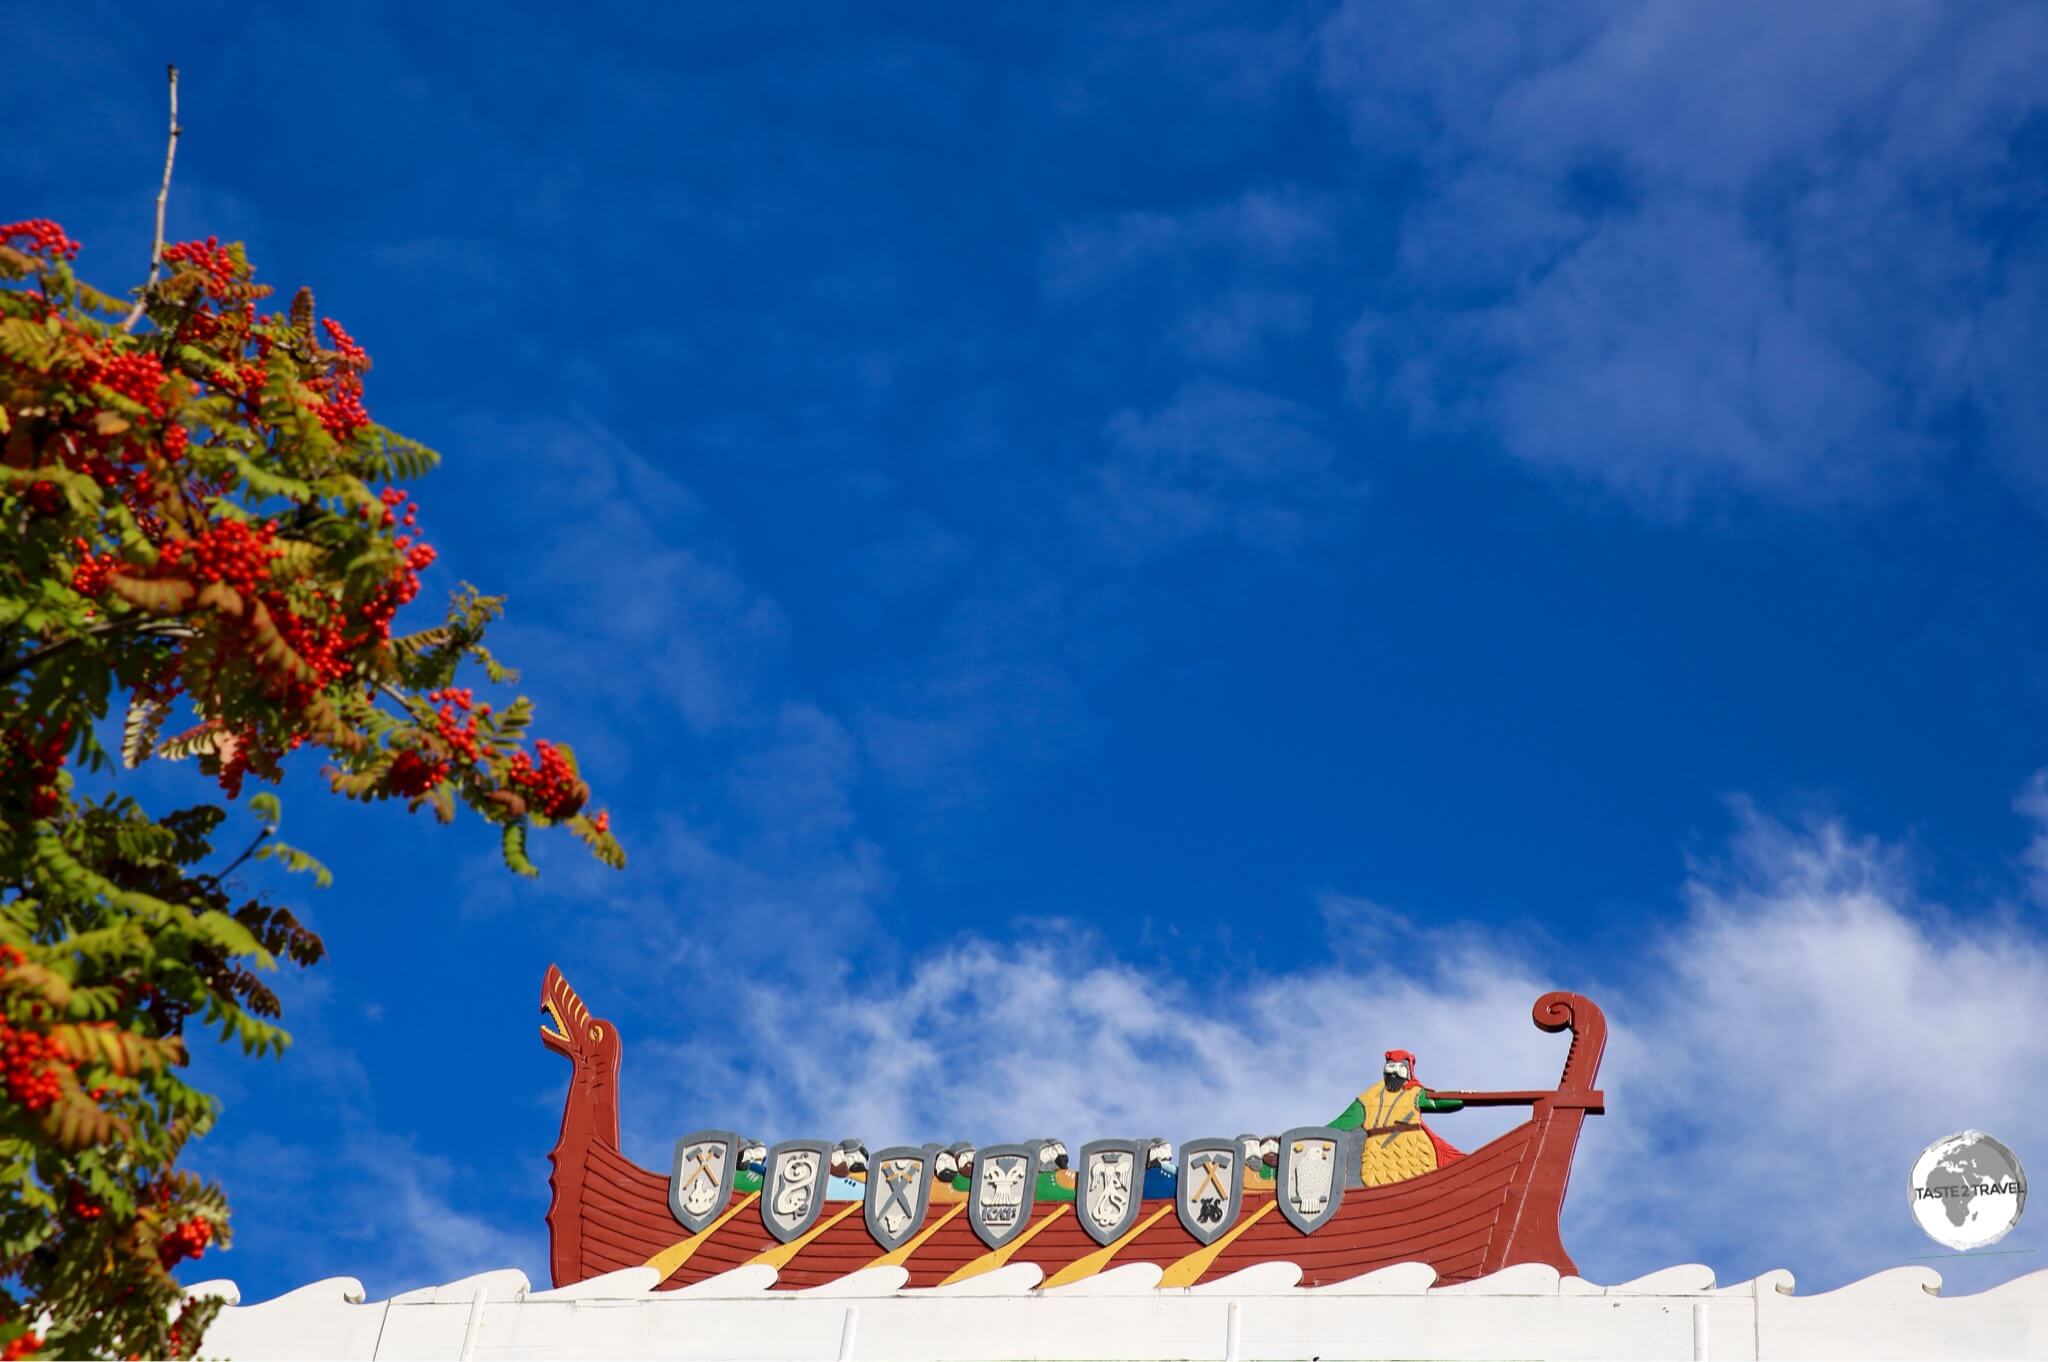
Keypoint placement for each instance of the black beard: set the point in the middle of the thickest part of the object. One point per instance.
(1395, 1082)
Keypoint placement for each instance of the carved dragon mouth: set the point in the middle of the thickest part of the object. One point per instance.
(556, 1038)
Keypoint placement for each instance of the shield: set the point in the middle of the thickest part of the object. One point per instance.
(793, 1187)
(899, 1191)
(1000, 1197)
(1310, 1183)
(1210, 1192)
(701, 1182)
(1108, 1187)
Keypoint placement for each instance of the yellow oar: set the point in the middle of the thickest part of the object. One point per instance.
(995, 1258)
(1189, 1270)
(678, 1253)
(1098, 1260)
(782, 1253)
(897, 1255)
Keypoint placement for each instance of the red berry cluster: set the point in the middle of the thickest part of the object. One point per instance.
(210, 258)
(82, 1206)
(44, 238)
(378, 612)
(229, 551)
(460, 735)
(31, 1064)
(43, 498)
(88, 436)
(89, 578)
(341, 387)
(414, 772)
(23, 1345)
(34, 759)
(187, 1239)
(552, 789)
(412, 775)
(345, 344)
(137, 375)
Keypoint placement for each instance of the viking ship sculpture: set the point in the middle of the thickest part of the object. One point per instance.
(726, 1203)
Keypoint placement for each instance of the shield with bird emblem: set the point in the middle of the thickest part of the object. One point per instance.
(1310, 1181)
(1000, 1197)
(701, 1182)
(899, 1191)
(1108, 1188)
(1210, 1191)
(793, 1187)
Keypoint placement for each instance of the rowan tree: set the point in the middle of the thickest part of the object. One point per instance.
(205, 546)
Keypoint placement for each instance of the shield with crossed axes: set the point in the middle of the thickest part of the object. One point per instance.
(793, 1187)
(899, 1192)
(1210, 1191)
(1000, 1197)
(701, 1183)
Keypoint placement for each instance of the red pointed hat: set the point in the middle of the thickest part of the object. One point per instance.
(1393, 1055)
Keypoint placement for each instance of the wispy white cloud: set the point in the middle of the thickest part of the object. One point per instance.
(2031, 803)
(1218, 458)
(1680, 252)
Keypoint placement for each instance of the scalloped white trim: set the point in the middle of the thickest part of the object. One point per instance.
(1525, 1311)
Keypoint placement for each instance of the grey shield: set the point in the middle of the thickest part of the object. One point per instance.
(1311, 1177)
(1210, 1192)
(701, 1182)
(899, 1191)
(1108, 1187)
(793, 1187)
(999, 1199)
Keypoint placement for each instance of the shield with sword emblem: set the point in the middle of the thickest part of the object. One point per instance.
(1210, 1191)
(1108, 1187)
(899, 1191)
(793, 1187)
(701, 1182)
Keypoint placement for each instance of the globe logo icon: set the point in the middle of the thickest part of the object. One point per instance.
(1968, 1190)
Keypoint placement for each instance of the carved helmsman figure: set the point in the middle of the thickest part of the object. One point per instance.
(1397, 1144)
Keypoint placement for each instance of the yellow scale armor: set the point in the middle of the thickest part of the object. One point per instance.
(1405, 1154)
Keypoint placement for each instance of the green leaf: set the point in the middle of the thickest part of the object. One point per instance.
(514, 844)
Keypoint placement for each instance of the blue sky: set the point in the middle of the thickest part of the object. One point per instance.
(1184, 532)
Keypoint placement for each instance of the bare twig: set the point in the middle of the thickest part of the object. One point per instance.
(220, 880)
(156, 252)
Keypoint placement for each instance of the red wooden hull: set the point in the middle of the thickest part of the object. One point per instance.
(1495, 1207)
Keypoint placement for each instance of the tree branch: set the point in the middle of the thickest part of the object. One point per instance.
(144, 626)
(156, 252)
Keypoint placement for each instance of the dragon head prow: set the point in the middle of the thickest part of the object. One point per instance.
(575, 1034)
